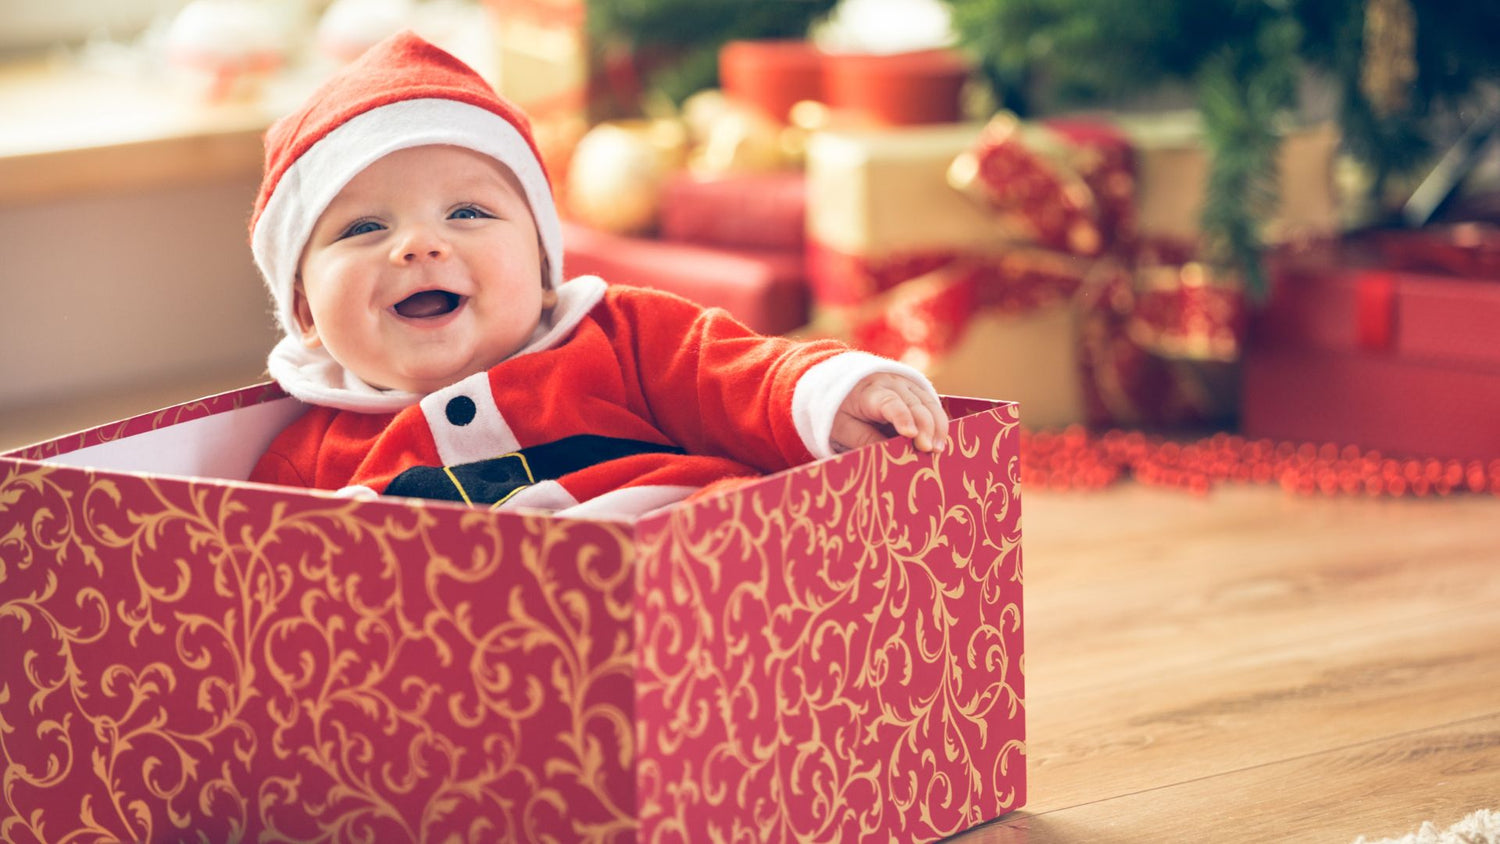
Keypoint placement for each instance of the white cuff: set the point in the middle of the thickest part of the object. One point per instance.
(822, 389)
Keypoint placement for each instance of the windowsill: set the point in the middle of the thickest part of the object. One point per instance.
(70, 132)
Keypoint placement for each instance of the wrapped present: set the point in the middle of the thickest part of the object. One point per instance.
(830, 652)
(771, 74)
(1020, 216)
(565, 79)
(755, 211)
(1091, 184)
(896, 89)
(880, 212)
(549, 66)
(901, 88)
(1172, 164)
(1375, 342)
(766, 289)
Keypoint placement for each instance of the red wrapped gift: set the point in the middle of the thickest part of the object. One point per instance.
(1405, 408)
(752, 211)
(897, 89)
(1056, 221)
(771, 74)
(1393, 358)
(1385, 292)
(765, 289)
(832, 652)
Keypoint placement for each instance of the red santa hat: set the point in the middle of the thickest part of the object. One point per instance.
(403, 92)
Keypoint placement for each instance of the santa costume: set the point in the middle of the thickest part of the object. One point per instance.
(622, 401)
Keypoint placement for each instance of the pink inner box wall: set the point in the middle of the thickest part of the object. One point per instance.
(833, 652)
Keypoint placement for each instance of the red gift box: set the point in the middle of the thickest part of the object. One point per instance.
(1402, 407)
(833, 651)
(887, 89)
(1355, 348)
(764, 289)
(897, 89)
(771, 74)
(748, 211)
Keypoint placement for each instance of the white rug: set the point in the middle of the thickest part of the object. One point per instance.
(1482, 827)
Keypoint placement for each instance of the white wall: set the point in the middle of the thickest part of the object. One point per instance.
(32, 24)
(105, 294)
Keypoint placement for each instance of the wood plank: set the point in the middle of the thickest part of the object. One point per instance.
(1380, 788)
(1175, 647)
(1132, 570)
(1261, 708)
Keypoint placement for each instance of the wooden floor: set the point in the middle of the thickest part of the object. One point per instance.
(1255, 666)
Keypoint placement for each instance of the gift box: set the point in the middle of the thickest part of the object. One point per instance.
(766, 289)
(897, 89)
(1024, 214)
(749, 211)
(1090, 183)
(550, 66)
(560, 74)
(883, 197)
(885, 239)
(771, 74)
(829, 652)
(905, 88)
(1370, 342)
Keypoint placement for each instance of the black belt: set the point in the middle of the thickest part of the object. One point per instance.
(492, 481)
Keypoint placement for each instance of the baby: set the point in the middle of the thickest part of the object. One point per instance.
(407, 231)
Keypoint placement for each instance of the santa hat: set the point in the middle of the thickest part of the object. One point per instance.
(403, 92)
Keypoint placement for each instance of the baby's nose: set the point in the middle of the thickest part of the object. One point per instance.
(418, 244)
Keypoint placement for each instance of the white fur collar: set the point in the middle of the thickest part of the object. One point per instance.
(316, 378)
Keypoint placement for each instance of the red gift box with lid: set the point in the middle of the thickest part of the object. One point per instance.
(830, 652)
(766, 289)
(1386, 341)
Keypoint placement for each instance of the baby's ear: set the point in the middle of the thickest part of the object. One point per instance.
(303, 312)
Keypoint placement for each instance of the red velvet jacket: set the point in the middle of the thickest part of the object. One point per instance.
(606, 409)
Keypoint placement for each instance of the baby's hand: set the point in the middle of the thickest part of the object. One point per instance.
(884, 404)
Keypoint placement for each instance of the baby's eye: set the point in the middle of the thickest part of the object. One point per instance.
(361, 227)
(468, 212)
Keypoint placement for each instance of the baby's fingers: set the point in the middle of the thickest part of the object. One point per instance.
(894, 408)
(938, 420)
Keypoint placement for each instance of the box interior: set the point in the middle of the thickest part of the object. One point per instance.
(220, 445)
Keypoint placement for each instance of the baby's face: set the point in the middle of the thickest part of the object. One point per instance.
(423, 270)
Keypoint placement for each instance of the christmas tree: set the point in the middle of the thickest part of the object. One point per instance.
(690, 33)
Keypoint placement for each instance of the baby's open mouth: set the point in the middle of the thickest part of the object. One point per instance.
(427, 304)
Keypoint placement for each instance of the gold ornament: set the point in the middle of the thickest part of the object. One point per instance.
(737, 138)
(617, 171)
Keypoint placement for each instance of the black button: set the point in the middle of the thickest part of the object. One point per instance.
(460, 410)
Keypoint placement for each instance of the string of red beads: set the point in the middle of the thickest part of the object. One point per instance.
(1074, 458)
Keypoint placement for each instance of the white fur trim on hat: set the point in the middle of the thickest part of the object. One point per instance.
(310, 184)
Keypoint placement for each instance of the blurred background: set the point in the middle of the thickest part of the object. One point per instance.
(1113, 212)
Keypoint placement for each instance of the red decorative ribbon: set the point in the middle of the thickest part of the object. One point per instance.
(1074, 458)
(1375, 311)
(1152, 319)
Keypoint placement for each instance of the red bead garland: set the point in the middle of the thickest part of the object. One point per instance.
(1074, 458)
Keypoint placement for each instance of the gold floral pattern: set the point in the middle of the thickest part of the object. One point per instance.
(836, 655)
(831, 653)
